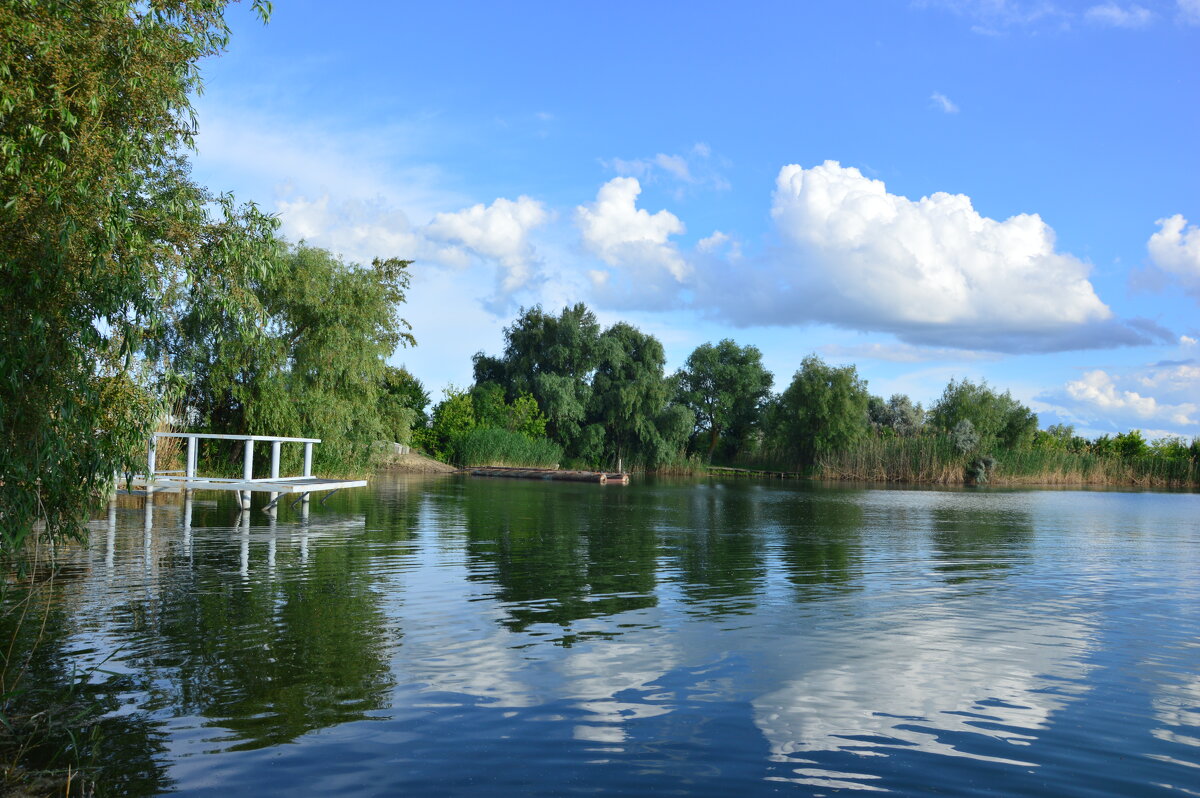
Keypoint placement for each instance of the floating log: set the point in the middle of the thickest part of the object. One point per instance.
(600, 477)
(725, 471)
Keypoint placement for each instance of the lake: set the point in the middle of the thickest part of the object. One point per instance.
(464, 636)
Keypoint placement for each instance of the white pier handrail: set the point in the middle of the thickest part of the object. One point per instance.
(234, 437)
(190, 478)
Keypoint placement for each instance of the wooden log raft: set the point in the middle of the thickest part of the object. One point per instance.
(725, 471)
(601, 477)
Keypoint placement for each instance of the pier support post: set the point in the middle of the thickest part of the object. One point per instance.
(190, 466)
(244, 558)
(110, 541)
(247, 471)
(151, 457)
(274, 475)
(187, 522)
(307, 470)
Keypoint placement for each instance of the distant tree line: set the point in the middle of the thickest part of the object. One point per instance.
(602, 398)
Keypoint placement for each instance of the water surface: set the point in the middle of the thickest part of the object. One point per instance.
(458, 636)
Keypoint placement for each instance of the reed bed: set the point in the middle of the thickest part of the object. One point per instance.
(928, 459)
(490, 446)
(934, 460)
(1070, 468)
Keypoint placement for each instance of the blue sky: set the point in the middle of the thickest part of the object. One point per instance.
(998, 190)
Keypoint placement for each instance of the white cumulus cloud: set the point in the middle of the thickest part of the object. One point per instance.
(1100, 390)
(933, 271)
(1117, 16)
(359, 229)
(626, 236)
(1175, 249)
(498, 232)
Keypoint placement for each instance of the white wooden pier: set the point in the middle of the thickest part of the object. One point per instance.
(154, 481)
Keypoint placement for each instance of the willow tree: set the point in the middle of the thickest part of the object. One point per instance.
(313, 363)
(998, 418)
(97, 220)
(823, 410)
(553, 359)
(631, 400)
(725, 386)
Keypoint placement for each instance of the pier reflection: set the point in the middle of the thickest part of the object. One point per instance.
(263, 640)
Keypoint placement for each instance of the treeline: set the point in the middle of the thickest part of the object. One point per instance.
(564, 391)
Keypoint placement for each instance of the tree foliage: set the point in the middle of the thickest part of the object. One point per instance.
(897, 416)
(550, 358)
(98, 221)
(471, 424)
(631, 400)
(604, 395)
(312, 363)
(998, 418)
(402, 404)
(451, 417)
(725, 386)
(823, 410)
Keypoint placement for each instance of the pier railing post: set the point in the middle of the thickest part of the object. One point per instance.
(247, 470)
(151, 457)
(274, 473)
(307, 472)
(190, 467)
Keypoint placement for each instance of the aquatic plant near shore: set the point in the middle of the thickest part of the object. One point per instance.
(937, 460)
(500, 447)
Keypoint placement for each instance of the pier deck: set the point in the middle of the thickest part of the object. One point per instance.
(171, 484)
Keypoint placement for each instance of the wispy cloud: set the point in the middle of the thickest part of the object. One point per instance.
(999, 17)
(903, 353)
(697, 168)
(1189, 12)
(993, 17)
(1117, 16)
(943, 102)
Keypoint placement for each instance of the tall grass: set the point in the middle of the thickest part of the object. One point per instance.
(682, 465)
(1069, 468)
(490, 446)
(49, 715)
(929, 459)
(932, 459)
